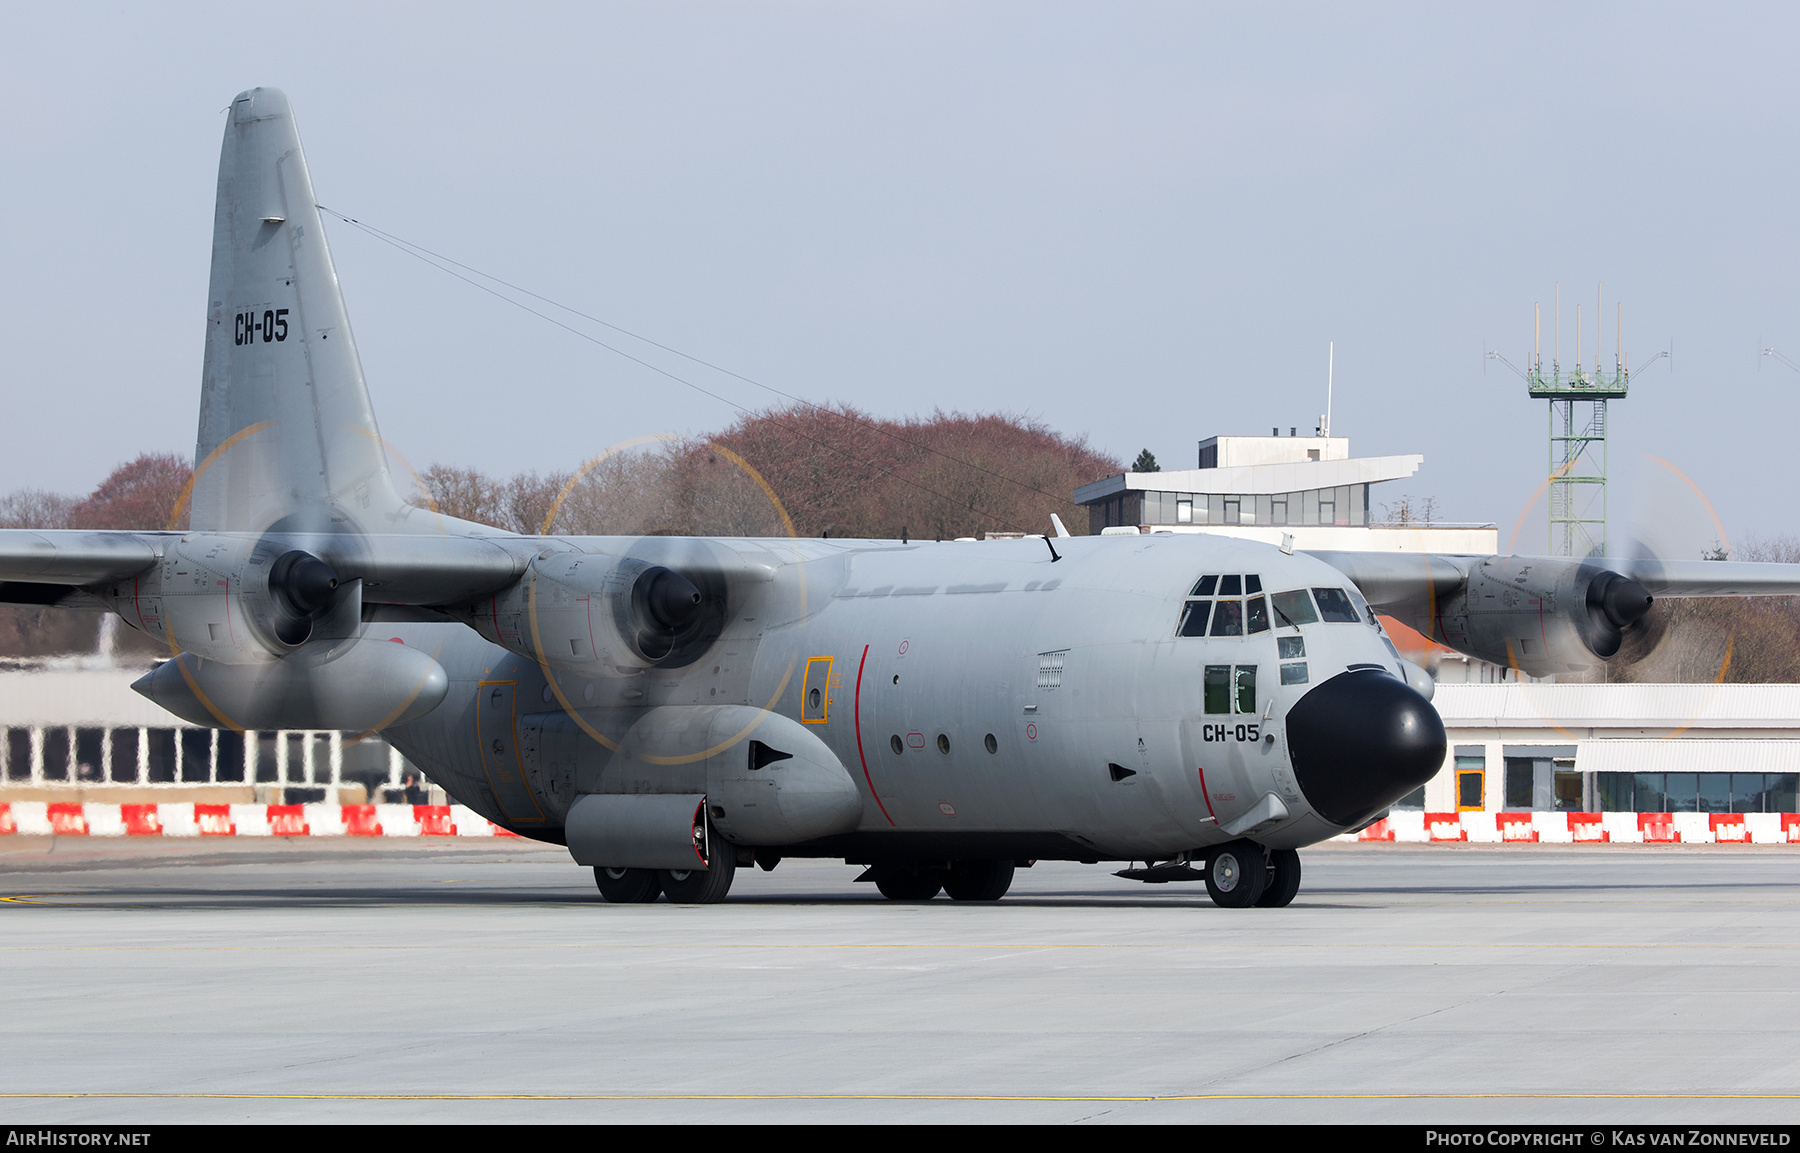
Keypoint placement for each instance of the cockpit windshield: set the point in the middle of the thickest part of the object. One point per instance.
(1293, 608)
(1334, 605)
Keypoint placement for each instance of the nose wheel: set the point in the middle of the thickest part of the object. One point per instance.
(1243, 873)
(1284, 879)
(1237, 874)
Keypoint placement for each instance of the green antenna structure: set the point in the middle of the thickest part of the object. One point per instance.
(1577, 480)
(1578, 398)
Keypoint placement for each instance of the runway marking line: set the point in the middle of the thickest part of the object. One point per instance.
(1008, 949)
(996, 1097)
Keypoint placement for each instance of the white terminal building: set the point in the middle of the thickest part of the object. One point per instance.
(1270, 487)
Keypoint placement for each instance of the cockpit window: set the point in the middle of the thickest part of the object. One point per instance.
(1244, 688)
(1228, 618)
(1294, 608)
(1218, 688)
(1334, 606)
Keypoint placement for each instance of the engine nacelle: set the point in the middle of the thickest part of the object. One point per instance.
(594, 613)
(1540, 616)
(239, 599)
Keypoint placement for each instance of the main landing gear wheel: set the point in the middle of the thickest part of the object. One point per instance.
(979, 880)
(1237, 874)
(700, 886)
(906, 885)
(627, 886)
(1284, 879)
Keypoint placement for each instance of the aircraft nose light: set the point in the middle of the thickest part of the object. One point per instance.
(1360, 742)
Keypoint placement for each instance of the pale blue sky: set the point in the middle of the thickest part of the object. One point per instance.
(1139, 222)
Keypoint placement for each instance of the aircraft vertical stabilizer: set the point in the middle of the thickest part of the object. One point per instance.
(287, 434)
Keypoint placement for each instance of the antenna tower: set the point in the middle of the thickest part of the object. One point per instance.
(1577, 399)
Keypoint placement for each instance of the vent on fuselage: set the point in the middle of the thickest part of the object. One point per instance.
(1050, 669)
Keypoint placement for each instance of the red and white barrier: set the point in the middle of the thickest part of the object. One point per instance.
(188, 819)
(1415, 827)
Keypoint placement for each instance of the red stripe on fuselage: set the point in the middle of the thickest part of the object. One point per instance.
(1204, 795)
(856, 713)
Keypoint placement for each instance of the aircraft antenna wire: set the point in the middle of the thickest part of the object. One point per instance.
(428, 256)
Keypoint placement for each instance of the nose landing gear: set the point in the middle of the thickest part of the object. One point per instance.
(1236, 874)
(1244, 874)
(1284, 879)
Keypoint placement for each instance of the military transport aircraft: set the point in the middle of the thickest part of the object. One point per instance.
(672, 709)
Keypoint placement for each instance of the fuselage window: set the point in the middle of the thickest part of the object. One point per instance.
(1252, 584)
(1245, 684)
(1294, 608)
(1335, 607)
(1256, 616)
(1218, 688)
(1193, 619)
(1294, 674)
(1231, 586)
(1228, 618)
(1204, 586)
(1288, 648)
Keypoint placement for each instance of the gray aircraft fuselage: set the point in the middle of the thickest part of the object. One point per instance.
(984, 699)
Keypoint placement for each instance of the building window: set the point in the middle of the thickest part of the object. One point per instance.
(124, 766)
(161, 756)
(1471, 779)
(1184, 510)
(18, 754)
(1519, 781)
(56, 754)
(196, 755)
(1697, 792)
(90, 754)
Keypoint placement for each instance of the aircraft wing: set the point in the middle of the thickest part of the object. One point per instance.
(1709, 578)
(1392, 579)
(47, 566)
(1395, 580)
(42, 567)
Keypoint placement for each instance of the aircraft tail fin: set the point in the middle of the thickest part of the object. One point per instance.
(287, 434)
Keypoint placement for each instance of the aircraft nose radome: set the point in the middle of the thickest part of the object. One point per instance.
(1360, 742)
